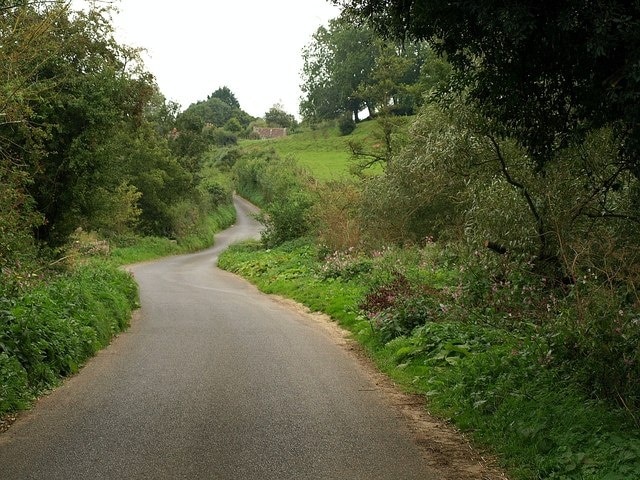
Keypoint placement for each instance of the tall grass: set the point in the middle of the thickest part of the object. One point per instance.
(50, 330)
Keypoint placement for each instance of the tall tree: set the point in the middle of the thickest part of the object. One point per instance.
(204, 123)
(546, 71)
(336, 63)
(227, 96)
(74, 121)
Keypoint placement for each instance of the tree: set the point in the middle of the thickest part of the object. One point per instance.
(214, 121)
(83, 135)
(336, 63)
(162, 113)
(277, 117)
(82, 86)
(546, 72)
(227, 96)
(347, 69)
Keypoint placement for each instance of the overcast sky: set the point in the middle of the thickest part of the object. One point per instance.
(251, 46)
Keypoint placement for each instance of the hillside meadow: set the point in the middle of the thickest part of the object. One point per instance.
(322, 151)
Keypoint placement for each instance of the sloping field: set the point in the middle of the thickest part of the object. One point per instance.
(322, 151)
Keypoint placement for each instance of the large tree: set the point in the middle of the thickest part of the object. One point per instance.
(336, 63)
(227, 96)
(80, 143)
(206, 123)
(546, 71)
(348, 69)
(278, 117)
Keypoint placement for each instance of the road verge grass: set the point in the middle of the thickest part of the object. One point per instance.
(50, 330)
(492, 382)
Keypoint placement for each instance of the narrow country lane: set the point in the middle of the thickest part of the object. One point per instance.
(214, 381)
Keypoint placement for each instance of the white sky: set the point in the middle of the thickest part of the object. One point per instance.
(254, 47)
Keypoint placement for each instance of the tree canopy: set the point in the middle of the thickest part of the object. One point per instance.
(348, 69)
(546, 71)
(227, 96)
(84, 133)
(214, 121)
(278, 117)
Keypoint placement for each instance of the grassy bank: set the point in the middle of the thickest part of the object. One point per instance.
(321, 151)
(50, 330)
(492, 381)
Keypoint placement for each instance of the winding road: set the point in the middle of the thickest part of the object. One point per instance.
(214, 380)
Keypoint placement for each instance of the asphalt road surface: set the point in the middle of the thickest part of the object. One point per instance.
(214, 381)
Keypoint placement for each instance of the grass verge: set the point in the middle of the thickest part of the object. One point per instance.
(50, 330)
(489, 381)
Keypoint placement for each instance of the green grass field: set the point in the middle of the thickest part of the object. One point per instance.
(322, 151)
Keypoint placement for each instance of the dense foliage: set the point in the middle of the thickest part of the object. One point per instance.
(87, 140)
(278, 117)
(506, 297)
(546, 72)
(280, 187)
(216, 121)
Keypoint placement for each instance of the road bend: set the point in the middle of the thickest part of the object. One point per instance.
(213, 381)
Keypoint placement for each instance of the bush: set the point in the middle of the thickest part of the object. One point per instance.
(596, 337)
(419, 194)
(281, 187)
(286, 219)
(345, 264)
(346, 125)
(14, 392)
(396, 308)
(49, 331)
(335, 215)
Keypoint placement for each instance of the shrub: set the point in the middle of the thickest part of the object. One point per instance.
(396, 308)
(596, 337)
(49, 331)
(335, 215)
(345, 264)
(286, 218)
(346, 125)
(419, 194)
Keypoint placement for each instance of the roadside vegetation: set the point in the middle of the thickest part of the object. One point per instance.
(490, 262)
(478, 232)
(422, 317)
